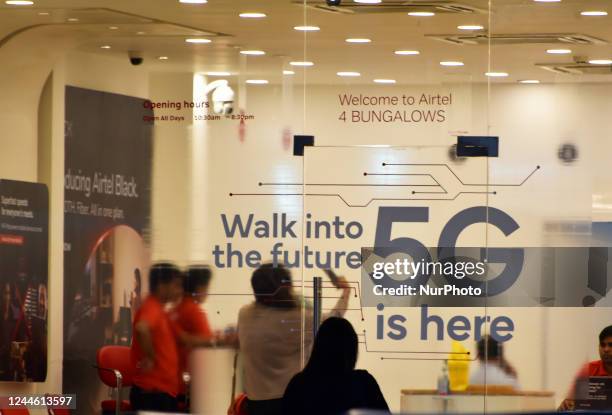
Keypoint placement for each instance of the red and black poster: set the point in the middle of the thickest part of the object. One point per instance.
(107, 183)
(24, 247)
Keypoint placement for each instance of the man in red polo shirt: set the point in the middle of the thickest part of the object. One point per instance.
(602, 367)
(154, 349)
(190, 321)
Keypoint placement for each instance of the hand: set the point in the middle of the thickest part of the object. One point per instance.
(567, 405)
(146, 364)
(343, 285)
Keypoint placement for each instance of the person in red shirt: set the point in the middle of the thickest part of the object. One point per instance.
(602, 367)
(191, 323)
(154, 353)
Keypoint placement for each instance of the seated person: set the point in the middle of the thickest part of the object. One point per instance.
(154, 351)
(270, 336)
(492, 368)
(329, 384)
(601, 367)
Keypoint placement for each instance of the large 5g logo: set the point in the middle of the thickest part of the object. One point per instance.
(513, 258)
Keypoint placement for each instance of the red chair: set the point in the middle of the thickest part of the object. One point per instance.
(15, 411)
(238, 407)
(115, 371)
(58, 411)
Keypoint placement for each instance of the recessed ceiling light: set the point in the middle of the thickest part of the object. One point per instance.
(358, 40)
(301, 63)
(348, 74)
(384, 81)
(470, 27)
(559, 51)
(307, 28)
(19, 2)
(162, 58)
(451, 63)
(43, 13)
(252, 15)
(496, 74)
(407, 52)
(257, 81)
(72, 19)
(529, 81)
(105, 47)
(547, 1)
(421, 14)
(198, 40)
(140, 33)
(368, 1)
(594, 13)
(193, 1)
(253, 52)
(218, 73)
(600, 61)
(285, 72)
(113, 27)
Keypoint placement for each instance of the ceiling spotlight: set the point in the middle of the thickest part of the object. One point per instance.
(286, 72)
(43, 13)
(407, 52)
(253, 52)
(358, 40)
(140, 33)
(193, 1)
(300, 63)
(252, 15)
(384, 81)
(529, 81)
(307, 28)
(470, 27)
(257, 81)
(559, 51)
(162, 58)
(348, 74)
(547, 1)
(496, 74)
(72, 19)
(113, 27)
(451, 63)
(219, 73)
(198, 40)
(421, 14)
(105, 47)
(368, 1)
(19, 2)
(600, 61)
(594, 13)
(333, 2)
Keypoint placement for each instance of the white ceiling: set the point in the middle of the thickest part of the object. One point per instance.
(166, 23)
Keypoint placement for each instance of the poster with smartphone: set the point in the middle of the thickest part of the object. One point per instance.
(24, 248)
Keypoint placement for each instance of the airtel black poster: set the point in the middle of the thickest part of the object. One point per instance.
(107, 184)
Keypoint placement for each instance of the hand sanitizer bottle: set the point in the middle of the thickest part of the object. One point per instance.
(443, 382)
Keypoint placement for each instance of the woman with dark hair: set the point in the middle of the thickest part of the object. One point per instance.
(329, 384)
(270, 336)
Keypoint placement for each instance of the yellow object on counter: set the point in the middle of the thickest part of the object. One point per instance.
(458, 367)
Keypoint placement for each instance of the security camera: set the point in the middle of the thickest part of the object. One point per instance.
(334, 2)
(223, 98)
(135, 57)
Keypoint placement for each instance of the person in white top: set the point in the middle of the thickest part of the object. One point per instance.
(491, 367)
(270, 336)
